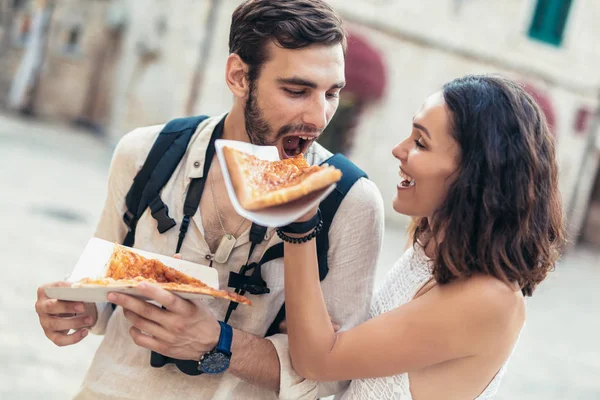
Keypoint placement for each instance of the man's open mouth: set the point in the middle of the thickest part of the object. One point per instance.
(294, 145)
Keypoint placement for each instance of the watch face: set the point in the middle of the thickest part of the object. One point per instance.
(214, 363)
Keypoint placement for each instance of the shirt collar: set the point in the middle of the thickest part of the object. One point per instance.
(196, 160)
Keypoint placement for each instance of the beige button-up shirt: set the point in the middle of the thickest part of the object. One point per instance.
(121, 369)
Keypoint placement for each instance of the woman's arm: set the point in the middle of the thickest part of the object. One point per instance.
(452, 321)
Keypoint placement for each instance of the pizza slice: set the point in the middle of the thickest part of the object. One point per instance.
(260, 183)
(127, 269)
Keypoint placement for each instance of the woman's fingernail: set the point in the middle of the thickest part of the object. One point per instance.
(87, 321)
(84, 333)
(80, 308)
(111, 297)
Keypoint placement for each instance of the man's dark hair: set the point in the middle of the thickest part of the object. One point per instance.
(289, 24)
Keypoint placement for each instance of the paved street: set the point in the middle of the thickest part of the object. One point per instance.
(53, 183)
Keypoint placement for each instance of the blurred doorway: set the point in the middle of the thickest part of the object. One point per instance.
(95, 110)
(366, 80)
(591, 227)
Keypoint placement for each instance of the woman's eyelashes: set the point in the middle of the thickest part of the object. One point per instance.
(419, 145)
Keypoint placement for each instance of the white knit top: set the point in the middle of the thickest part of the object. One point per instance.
(404, 280)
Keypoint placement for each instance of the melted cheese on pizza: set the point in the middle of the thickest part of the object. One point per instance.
(125, 265)
(265, 176)
(126, 268)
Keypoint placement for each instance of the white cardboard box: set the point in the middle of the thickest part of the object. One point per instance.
(93, 263)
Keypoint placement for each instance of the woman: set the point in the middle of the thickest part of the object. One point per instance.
(478, 175)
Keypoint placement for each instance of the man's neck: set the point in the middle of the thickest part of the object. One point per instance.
(235, 126)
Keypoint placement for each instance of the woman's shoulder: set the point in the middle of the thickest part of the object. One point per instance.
(489, 305)
(493, 292)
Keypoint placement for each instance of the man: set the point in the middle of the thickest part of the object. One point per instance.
(285, 70)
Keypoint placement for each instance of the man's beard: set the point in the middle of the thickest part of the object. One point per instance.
(258, 129)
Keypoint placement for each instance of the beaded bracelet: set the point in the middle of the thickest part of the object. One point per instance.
(304, 239)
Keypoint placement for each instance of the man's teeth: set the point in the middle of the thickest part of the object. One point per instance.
(306, 138)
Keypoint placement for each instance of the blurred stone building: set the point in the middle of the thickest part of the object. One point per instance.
(113, 65)
(549, 45)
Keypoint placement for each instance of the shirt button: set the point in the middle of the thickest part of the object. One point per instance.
(196, 164)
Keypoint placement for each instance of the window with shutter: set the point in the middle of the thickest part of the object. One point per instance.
(549, 20)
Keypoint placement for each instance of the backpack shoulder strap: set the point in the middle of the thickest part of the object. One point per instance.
(164, 156)
(351, 173)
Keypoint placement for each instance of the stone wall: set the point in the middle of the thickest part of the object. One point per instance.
(492, 30)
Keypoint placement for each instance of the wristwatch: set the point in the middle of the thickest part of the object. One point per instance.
(217, 360)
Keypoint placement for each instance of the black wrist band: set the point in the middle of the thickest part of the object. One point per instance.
(304, 239)
(303, 227)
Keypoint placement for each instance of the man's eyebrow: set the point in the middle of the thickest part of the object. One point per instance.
(297, 81)
(422, 128)
(339, 85)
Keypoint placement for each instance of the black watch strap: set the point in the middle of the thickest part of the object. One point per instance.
(303, 227)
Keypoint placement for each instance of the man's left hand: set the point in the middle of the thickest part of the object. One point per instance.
(185, 330)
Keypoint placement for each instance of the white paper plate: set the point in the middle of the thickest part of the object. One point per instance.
(273, 216)
(93, 263)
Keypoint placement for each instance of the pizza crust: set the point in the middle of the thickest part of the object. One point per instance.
(243, 192)
(312, 183)
(176, 287)
(322, 178)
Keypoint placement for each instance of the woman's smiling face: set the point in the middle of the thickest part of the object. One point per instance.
(428, 158)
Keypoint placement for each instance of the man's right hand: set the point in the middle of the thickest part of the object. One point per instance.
(58, 317)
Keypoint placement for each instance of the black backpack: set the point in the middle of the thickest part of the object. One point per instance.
(164, 156)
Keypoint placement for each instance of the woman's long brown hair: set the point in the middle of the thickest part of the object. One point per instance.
(502, 215)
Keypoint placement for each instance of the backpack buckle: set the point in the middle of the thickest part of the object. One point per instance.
(160, 212)
(129, 220)
(253, 284)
